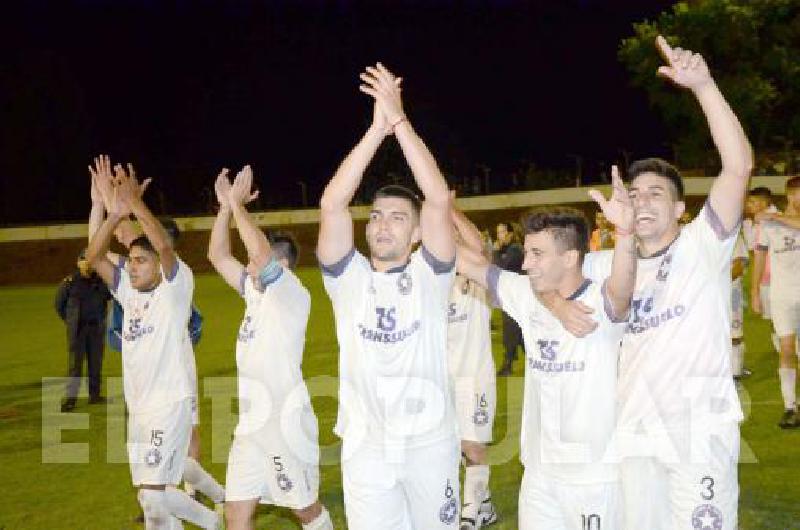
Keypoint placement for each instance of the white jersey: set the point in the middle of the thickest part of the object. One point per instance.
(737, 294)
(392, 331)
(675, 357)
(269, 352)
(569, 401)
(469, 341)
(153, 333)
(783, 245)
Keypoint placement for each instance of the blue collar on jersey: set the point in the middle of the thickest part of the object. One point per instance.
(580, 290)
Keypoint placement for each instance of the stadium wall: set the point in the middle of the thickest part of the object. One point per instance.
(45, 254)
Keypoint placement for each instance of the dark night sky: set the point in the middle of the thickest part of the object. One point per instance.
(183, 88)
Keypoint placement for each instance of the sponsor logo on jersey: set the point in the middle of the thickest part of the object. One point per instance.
(643, 320)
(789, 245)
(387, 337)
(136, 330)
(548, 362)
(707, 517)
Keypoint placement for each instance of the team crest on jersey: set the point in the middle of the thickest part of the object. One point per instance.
(448, 511)
(480, 417)
(706, 517)
(136, 330)
(153, 457)
(404, 283)
(284, 482)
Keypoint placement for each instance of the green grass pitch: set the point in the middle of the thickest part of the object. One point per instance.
(96, 493)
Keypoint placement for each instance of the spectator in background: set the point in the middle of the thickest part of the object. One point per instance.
(603, 235)
(81, 302)
(508, 255)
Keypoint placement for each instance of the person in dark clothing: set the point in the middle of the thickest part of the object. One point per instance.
(81, 302)
(508, 255)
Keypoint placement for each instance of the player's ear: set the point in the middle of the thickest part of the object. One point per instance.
(571, 258)
(679, 208)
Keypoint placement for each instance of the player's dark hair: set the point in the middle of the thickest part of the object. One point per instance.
(660, 167)
(143, 243)
(761, 191)
(568, 226)
(396, 190)
(284, 246)
(793, 183)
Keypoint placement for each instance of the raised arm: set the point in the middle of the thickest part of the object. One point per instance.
(97, 252)
(130, 192)
(619, 211)
(468, 234)
(219, 245)
(335, 223)
(435, 222)
(102, 178)
(689, 70)
(791, 221)
(472, 263)
(255, 241)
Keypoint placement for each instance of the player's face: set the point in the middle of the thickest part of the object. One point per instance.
(793, 199)
(754, 205)
(503, 235)
(392, 229)
(144, 269)
(655, 206)
(545, 262)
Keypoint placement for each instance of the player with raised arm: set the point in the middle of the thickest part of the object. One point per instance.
(571, 480)
(469, 345)
(274, 458)
(396, 419)
(155, 290)
(679, 414)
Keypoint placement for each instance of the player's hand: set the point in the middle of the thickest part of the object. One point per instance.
(240, 190)
(765, 216)
(102, 177)
(575, 316)
(684, 67)
(618, 209)
(127, 189)
(382, 85)
(222, 187)
(755, 302)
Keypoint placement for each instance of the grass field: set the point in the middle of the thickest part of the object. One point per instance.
(96, 492)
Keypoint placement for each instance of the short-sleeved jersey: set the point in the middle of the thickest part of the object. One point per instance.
(783, 246)
(469, 340)
(570, 383)
(675, 357)
(392, 332)
(153, 335)
(739, 252)
(269, 351)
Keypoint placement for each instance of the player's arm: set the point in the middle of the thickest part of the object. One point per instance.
(737, 268)
(259, 252)
(437, 229)
(335, 222)
(689, 70)
(102, 188)
(219, 244)
(759, 265)
(468, 233)
(473, 264)
(791, 221)
(129, 190)
(96, 253)
(619, 211)
(61, 298)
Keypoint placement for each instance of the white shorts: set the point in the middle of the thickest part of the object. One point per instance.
(766, 310)
(158, 443)
(419, 491)
(737, 311)
(263, 466)
(785, 315)
(547, 504)
(660, 496)
(476, 399)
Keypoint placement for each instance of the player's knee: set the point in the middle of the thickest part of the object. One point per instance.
(154, 506)
(237, 515)
(309, 513)
(474, 452)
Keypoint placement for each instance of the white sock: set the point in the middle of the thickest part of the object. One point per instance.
(788, 376)
(175, 523)
(737, 358)
(156, 513)
(182, 506)
(476, 484)
(188, 488)
(198, 478)
(322, 522)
